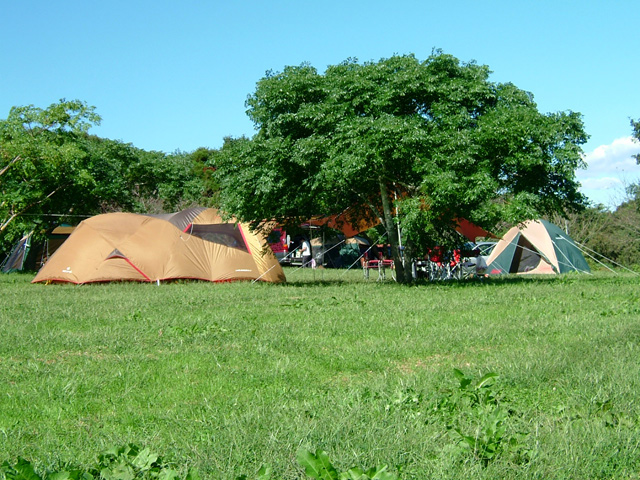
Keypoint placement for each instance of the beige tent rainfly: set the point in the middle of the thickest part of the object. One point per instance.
(193, 244)
(536, 246)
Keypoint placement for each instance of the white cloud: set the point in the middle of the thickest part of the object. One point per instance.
(601, 183)
(610, 168)
(615, 157)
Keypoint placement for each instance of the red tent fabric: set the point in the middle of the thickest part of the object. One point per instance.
(471, 231)
(339, 222)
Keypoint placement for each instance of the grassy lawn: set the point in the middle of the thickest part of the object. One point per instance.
(228, 377)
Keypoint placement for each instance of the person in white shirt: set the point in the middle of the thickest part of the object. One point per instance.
(305, 249)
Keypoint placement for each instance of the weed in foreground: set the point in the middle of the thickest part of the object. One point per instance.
(474, 411)
(131, 462)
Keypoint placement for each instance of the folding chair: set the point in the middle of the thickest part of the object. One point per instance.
(379, 264)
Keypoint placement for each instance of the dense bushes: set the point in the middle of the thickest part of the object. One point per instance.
(605, 234)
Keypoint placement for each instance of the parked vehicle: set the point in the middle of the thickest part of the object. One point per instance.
(280, 242)
(286, 249)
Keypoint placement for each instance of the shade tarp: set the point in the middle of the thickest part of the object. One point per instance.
(350, 228)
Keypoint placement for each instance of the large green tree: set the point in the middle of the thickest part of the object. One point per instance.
(414, 143)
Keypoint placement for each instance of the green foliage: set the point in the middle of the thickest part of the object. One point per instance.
(475, 412)
(607, 235)
(633, 190)
(318, 467)
(129, 462)
(42, 162)
(470, 394)
(50, 166)
(167, 183)
(265, 473)
(436, 135)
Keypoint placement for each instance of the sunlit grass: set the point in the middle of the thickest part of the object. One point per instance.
(226, 377)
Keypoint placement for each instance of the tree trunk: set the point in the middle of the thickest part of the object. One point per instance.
(402, 276)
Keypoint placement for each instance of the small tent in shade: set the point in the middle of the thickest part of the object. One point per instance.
(27, 256)
(536, 246)
(193, 244)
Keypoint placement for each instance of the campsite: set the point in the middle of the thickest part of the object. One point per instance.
(163, 338)
(228, 379)
(177, 337)
(315, 241)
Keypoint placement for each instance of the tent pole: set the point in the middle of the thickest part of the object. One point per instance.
(321, 258)
(395, 194)
(310, 247)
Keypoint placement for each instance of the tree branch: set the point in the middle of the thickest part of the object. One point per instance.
(370, 204)
(6, 223)
(9, 164)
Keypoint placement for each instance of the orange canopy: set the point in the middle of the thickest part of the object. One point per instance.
(339, 222)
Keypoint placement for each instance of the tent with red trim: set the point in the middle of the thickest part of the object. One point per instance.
(192, 244)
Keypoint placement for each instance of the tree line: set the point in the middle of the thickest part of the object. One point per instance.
(53, 171)
(413, 145)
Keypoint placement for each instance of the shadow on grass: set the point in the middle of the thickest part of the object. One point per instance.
(335, 278)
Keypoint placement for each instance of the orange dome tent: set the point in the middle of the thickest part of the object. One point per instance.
(193, 244)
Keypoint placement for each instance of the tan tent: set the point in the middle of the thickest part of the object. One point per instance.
(194, 244)
(536, 246)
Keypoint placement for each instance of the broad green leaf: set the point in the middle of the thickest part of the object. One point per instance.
(329, 470)
(192, 474)
(355, 473)
(145, 459)
(23, 470)
(61, 476)
(381, 473)
(317, 466)
(464, 380)
(168, 474)
(264, 473)
(310, 463)
(486, 379)
(120, 471)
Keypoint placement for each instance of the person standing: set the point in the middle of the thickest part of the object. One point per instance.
(305, 249)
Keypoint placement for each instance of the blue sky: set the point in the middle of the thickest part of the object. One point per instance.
(174, 75)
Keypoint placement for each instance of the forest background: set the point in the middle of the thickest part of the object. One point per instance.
(53, 171)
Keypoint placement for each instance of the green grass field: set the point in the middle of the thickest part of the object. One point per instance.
(228, 377)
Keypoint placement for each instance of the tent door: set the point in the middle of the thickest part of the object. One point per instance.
(526, 257)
